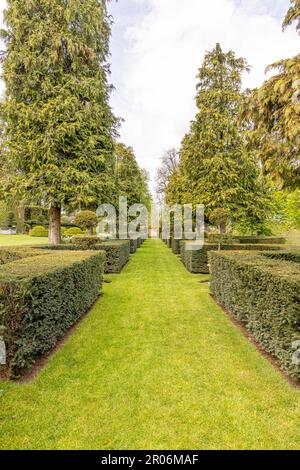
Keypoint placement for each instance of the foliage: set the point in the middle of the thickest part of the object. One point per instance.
(292, 15)
(132, 181)
(263, 293)
(272, 113)
(196, 260)
(58, 128)
(33, 318)
(39, 231)
(215, 169)
(70, 232)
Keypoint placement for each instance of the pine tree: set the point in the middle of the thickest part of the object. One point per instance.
(57, 126)
(215, 169)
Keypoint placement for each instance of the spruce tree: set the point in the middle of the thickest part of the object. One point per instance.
(57, 126)
(215, 169)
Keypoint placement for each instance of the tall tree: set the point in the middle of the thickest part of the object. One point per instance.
(132, 181)
(58, 128)
(215, 169)
(273, 116)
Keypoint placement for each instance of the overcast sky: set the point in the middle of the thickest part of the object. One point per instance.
(157, 47)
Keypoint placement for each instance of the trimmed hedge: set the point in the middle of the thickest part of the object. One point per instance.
(249, 240)
(117, 251)
(117, 254)
(262, 291)
(196, 261)
(43, 294)
(176, 245)
(86, 242)
(133, 245)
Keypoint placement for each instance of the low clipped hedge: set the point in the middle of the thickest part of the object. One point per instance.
(42, 294)
(133, 245)
(117, 251)
(196, 261)
(176, 245)
(262, 291)
(117, 254)
(250, 240)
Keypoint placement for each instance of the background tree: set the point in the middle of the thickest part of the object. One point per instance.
(132, 181)
(215, 169)
(292, 15)
(86, 220)
(273, 116)
(169, 164)
(57, 126)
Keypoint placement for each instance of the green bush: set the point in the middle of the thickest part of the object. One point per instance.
(42, 294)
(73, 231)
(39, 231)
(196, 261)
(117, 251)
(262, 291)
(248, 240)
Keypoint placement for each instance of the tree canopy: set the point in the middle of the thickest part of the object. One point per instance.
(57, 126)
(215, 168)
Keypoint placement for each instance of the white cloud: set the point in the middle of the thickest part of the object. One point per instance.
(162, 52)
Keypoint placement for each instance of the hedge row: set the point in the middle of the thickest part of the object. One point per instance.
(117, 251)
(262, 290)
(196, 261)
(248, 240)
(42, 294)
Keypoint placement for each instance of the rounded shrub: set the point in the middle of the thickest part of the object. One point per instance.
(73, 231)
(39, 231)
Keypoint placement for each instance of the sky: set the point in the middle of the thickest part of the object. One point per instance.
(157, 46)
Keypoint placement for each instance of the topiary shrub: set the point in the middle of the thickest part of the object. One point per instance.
(262, 291)
(39, 231)
(87, 220)
(42, 294)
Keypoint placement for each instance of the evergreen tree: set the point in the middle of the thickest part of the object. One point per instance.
(57, 126)
(132, 181)
(273, 116)
(215, 169)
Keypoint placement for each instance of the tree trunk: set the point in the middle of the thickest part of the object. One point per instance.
(54, 226)
(90, 231)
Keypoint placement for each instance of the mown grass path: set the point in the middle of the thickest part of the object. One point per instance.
(155, 365)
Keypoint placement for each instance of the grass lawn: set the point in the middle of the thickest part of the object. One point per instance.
(14, 240)
(156, 364)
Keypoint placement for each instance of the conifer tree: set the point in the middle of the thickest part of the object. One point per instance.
(215, 169)
(273, 116)
(57, 126)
